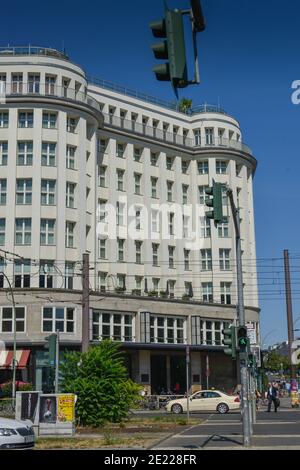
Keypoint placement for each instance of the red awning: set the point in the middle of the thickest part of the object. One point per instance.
(6, 358)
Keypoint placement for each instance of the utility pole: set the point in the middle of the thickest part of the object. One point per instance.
(187, 381)
(85, 303)
(242, 322)
(289, 309)
(14, 361)
(57, 361)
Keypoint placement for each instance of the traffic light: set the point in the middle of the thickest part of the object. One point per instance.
(172, 49)
(215, 202)
(242, 338)
(230, 341)
(51, 345)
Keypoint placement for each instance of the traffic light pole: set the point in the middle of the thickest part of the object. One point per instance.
(242, 321)
(57, 361)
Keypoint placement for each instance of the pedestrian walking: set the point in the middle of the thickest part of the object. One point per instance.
(272, 395)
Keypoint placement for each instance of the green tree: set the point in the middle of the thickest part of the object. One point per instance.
(276, 362)
(185, 105)
(99, 379)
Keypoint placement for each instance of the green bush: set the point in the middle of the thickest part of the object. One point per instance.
(100, 381)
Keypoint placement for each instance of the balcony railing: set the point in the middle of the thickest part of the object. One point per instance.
(153, 132)
(15, 89)
(107, 85)
(32, 50)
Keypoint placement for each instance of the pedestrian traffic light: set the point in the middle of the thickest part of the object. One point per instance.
(51, 345)
(229, 340)
(242, 338)
(172, 49)
(215, 202)
(251, 361)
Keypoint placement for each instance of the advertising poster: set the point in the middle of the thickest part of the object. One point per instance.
(66, 408)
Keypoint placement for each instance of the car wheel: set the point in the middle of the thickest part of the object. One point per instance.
(222, 408)
(177, 409)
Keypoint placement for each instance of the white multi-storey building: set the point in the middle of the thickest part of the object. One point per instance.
(90, 167)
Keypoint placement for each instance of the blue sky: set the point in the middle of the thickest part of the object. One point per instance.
(249, 56)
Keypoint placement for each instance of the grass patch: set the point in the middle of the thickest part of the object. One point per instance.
(107, 441)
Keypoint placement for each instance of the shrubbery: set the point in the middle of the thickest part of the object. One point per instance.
(99, 379)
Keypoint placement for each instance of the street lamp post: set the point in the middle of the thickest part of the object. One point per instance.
(14, 339)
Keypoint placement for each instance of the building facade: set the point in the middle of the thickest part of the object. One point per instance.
(89, 167)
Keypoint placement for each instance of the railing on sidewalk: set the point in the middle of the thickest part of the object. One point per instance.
(155, 402)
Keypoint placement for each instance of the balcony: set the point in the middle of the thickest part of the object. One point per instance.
(159, 134)
(46, 90)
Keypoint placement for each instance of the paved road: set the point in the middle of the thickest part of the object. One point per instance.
(279, 430)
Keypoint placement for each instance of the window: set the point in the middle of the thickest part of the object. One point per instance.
(225, 292)
(188, 289)
(171, 216)
(3, 119)
(138, 219)
(2, 234)
(137, 183)
(70, 229)
(69, 274)
(49, 120)
(33, 83)
(24, 191)
(221, 167)
(71, 124)
(48, 192)
(154, 159)
(22, 273)
(70, 157)
(172, 288)
(102, 210)
(23, 232)
(47, 234)
(209, 136)
(206, 260)
(46, 274)
(185, 190)
(17, 83)
(186, 254)
(25, 119)
(102, 145)
(154, 187)
(207, 291)
(155, 221)
(155, 283)
(114, 326)
(197, 137)
(48, 153)
(3, 153)
(138, 285)
(171, 250)
(170, 191)
(169, 162)
(70, 195)
(3, 191)
(121, 280)
(102, 281)
(167, 329)
(224, 257)
(211, 334)
(60, 319)
(138, 251)
(102, 176)
(120, 213)
(203, 168)
(184, 166)
(102, 248)
(202, 194)
(205, 231)
(224, 195)
(7, 320)
(121, 243)
(25, 153)
(137, 153)
(120, 150)
(120, 179)
(185, 226)
(50, 84)
(223, 230)
(155, 248)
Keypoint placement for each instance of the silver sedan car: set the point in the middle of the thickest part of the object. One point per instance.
(16, 434)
